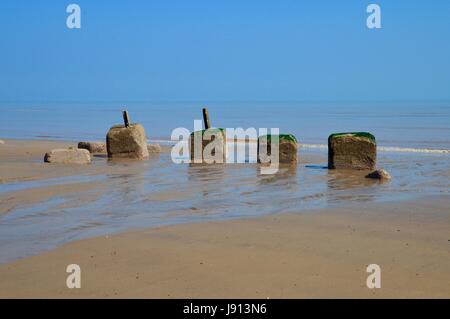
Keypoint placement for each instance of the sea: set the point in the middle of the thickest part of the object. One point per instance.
(410, 126)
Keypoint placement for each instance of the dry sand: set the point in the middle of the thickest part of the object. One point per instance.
(320, 253)
(313, 254)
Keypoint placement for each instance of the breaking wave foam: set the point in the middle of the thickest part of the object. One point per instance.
(389, 149)
(395, 149)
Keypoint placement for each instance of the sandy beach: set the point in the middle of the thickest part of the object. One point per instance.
(304, 253)
(310, 255)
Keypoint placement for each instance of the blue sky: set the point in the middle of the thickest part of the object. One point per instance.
(224, 50)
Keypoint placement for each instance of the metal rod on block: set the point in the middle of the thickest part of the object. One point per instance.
(126, 119)
(206, 118)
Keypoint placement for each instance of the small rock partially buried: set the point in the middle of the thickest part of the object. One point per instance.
(68, 156)
(93, 147)
(380, 174)
(154, 148)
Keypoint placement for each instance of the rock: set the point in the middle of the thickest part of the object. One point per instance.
(93, 147)
(68, 156)
(215, 153)
(2, 142)
(127, 142)
(288, 148)
(352, 151)
(154, 148)
(379, 174)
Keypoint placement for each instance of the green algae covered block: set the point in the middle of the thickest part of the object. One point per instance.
(353, 150)
(215, 153)
(355, 134)
(288, 148)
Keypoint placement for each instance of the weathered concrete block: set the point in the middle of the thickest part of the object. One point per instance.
(68, 156)
(352, 151)
(154, 148)
(127, 142)
(212, 146)
(93, 147)
(287, 148)
(380, 174)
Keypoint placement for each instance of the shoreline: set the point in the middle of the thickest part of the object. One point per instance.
(167, 143)
(323, 254)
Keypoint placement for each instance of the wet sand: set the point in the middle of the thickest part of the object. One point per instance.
(22, 160)
(22, 164)
(305, 253)
(323, 254)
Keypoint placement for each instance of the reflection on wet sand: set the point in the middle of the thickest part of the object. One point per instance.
(131, 183)
(349, 185)
(206, 179)
(285, 176)
(206, 172)
(278, 192)
(347, 179)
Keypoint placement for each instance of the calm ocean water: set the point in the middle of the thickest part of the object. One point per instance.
(416, 125)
